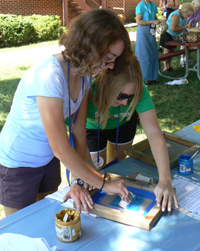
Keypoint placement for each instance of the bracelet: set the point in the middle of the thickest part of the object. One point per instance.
(104, 179)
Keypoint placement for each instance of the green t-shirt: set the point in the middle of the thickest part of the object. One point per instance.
(145, 104)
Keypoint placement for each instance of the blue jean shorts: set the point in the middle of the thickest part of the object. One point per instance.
(19, 186)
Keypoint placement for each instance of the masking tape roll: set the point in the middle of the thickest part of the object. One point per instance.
(70, 230)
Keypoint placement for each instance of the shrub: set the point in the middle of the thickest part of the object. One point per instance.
(15, 31)
(18, 30)
(133, 19)
(46, 27)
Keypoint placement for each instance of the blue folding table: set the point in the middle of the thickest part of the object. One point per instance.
(174, 231)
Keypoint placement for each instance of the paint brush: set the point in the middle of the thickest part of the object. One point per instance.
(194, 155)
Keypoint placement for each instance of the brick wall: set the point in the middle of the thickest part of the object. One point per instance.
(54, 7)
(130, 6)
(30, 7)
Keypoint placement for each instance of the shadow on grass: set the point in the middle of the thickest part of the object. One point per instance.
(7, 91)
(178, 105)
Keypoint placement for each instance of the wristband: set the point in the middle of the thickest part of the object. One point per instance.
(104, 179)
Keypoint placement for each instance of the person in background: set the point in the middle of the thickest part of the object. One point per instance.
(194, 21)
(34, 138)
(146, 47)
(177, 22)
(167, 6)
(126, 93)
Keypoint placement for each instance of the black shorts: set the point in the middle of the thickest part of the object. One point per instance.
(126, 135)
(19, 186)
(166, 37)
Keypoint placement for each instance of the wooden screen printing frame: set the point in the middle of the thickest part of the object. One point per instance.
(125, 216)
(135, 151)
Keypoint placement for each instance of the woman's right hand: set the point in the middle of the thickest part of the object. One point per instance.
(157, 21)
(117, 187)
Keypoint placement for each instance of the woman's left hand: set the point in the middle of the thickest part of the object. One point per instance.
(81, 196)
(165, 193)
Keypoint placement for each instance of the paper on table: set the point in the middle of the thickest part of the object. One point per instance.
(188, 195)
(59, 195)
(19, 242)
(197, 128)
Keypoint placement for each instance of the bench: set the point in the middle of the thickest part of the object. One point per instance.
(165, 56)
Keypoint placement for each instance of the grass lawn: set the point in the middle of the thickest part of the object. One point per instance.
(177, 106)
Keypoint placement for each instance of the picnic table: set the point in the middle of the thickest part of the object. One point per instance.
(186, 51)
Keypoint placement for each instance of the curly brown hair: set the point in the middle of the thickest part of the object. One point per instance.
(89, 36)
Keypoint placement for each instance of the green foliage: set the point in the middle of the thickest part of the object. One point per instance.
(15, 31)
(46, 27)
(18, 30)
(159, 14)
(131, 29)
(133, 19)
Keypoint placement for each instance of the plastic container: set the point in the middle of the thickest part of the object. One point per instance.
(185, 164)
(70, 230)
(165, 12)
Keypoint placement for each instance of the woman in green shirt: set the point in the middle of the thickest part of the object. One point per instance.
(128, 120)
(126, 93)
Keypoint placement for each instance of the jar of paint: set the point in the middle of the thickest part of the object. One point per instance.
(185, 164)
(68, 229)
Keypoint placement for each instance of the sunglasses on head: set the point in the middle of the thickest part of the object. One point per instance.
(122, 96)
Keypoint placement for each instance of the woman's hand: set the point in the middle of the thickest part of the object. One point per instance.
(164, 194)
(81, 196)
(157, 21)
(117, 187)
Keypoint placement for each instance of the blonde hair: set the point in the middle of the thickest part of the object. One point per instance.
(89, 36)
(187, 8)
(196, 3)
(108, 88)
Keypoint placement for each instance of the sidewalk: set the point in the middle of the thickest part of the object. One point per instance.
(29, 54)
(37, 53)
